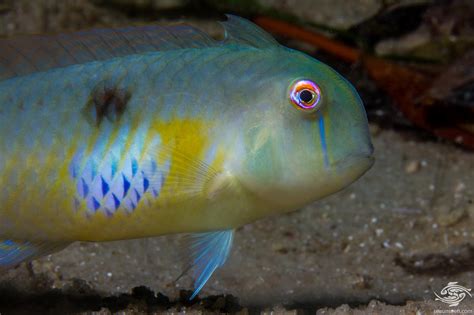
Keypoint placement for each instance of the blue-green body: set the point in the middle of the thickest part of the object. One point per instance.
(193, 137)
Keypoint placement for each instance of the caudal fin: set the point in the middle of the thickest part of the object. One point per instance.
(15, 252)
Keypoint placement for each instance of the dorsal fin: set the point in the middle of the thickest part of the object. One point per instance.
(26, 55)
(241, 31)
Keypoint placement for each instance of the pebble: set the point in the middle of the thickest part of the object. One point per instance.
(398, 245)
(361, 282)
(279, 248)
(460, 187)
(412, 167)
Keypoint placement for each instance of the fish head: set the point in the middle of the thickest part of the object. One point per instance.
(307, 134)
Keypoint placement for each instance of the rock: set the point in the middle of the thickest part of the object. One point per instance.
(361, 282)
(452, 217)
(412, 167)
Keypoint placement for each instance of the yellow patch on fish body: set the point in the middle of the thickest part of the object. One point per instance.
(183, 191)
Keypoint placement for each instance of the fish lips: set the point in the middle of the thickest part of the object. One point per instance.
(362, 160)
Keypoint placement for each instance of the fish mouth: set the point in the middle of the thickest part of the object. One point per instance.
(363, 160)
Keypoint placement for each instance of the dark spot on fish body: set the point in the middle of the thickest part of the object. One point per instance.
(39, 103)
(111, 103)
(106, 101)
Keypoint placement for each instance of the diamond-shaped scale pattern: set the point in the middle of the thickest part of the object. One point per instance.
(107, 183)
(108, 190)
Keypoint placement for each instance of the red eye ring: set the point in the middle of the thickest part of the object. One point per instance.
(305, 95)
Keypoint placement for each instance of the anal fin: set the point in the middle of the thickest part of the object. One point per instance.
(207, 252)
(15, 252)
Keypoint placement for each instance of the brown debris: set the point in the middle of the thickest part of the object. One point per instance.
(456, 260)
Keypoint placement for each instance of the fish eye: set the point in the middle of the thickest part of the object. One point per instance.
(305, 95)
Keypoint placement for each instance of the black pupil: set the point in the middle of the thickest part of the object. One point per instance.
(306, 96)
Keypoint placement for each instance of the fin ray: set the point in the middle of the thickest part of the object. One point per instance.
(15, 252)
(28, 54)
(207, 252)
(186, 176)
(241, 31)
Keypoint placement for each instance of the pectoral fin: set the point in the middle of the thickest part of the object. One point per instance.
(219, 183)
(207, 252)
(15, 252)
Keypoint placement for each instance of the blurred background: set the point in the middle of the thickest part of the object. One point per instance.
(384, 244)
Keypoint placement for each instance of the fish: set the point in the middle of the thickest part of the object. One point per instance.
(143, 131)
